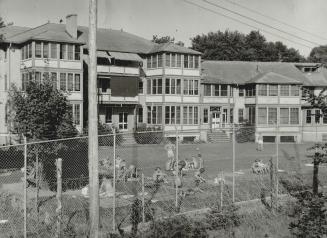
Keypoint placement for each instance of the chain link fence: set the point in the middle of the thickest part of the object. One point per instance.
(142, 176)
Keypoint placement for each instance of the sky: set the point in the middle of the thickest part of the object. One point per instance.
(181, 20)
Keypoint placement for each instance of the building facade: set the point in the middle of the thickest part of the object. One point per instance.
(164, 86)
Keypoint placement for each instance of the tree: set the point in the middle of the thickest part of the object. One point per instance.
(233, 45)
(41, 112)
(318, 54)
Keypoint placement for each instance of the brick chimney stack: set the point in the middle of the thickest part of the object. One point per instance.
(71, 25)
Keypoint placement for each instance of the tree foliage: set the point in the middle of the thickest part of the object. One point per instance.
(318, 54)
(41, 112)
(233, 45)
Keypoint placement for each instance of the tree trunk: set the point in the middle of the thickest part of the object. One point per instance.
(315, 181)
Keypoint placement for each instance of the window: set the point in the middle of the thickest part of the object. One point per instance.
(287, 139)
(53, 49)
(45, 50)
(108, 114)
(207, 89)
(284, 90)
(205, 115)
(231, 115)
(273, 90)
(191, 61)
(294, 116)
(54, 80)
(262, 115)
(223, 90)
(250, 91)
(148, 62)
(77, 113)
(156, 86)
(185, 61)
(154, 61)
(29, 49)
(262, 90)
(38, 49)
(190, 115)
(324, 118)
(178, 86)
(241, 91)
(37, 77)
(251, 115)
(63, 81)
(308, 117)
(167, 86)
(159, 60)
(317, 116)
(172, 114)
(23, 52)
(62, 51)
(196, 87)
(185, 86)
(295, 90)
(240, 115)
(140, 87)
(173, 60)
(284, 115)
(167, 60)
(173, 86)
(216, 90)
(196, 115)
(179, 61)
(196, 61)
(77, 82)
(191, 87)
(46, 77)
(140, 114)
(77, 52)
(272, 115)
(70, 82)
(148, 86)
(154, 114)
(70, 52)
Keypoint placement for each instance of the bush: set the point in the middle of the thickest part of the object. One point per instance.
(148, 135)
(105, 129)
(246, 133)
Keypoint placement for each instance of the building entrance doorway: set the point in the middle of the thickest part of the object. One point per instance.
(122, 123)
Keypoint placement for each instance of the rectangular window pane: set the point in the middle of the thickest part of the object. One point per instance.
(70, 82)
(317, 116)
(30, 50)
(240, 115)
(224, 91)
(284, 115)
(178, 115)
(294, 115)
(273, 90)
(172, 86)
(172, 114)
(37, 77)
(45, 50)
(217, 90)
(190, 87)
(167, 115)
(140, 114)
(154, 61)
(140, 87)
(185, 118)
(272, 115)
(148, 83)
(185, 87)
(262, 90)
(159, 120)
(173, 60)
(196, 115)
(54, 79)
(207, 89)
(159, 60)
(179, 60)
(185, 61)
(77, 52)
(196, 61)
(178, 86)
(154, 115)
(77, 82)
(167, 60)
(167, 86)
(77, 114)
(262, 115)
(63, 81)
(148, 62)
(53, 47)
(159, 86)
(295, 90)
(196, 87)
(62, 51)
(70, 52)
(308, 117)
(154, 86)
(241, 92)
(149, 115)
(284, 90)
(190, 115)
(205, 115)
(191, 59)
(38, 49)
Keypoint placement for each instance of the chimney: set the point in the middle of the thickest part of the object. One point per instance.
(71, 25)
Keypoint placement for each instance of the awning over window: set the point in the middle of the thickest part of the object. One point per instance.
(125, 56)
(103, 54)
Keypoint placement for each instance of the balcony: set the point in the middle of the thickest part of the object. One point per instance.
(107, 98)
(118, 70)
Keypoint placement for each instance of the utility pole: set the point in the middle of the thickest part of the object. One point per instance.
(93, 123)
(233, 141)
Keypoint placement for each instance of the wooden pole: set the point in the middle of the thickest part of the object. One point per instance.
(143, 200)
(177, 172)
(59, 197)
(233, 187)
(93, 123)
(277, 160)
(114, 184)
(25, 187)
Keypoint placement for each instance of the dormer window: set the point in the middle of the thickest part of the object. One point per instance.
(309, 69)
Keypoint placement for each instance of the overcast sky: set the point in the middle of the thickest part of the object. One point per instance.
(177, 18)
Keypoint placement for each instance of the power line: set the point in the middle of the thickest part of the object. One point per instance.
(261, 23)
(239, 21)
(275, 19)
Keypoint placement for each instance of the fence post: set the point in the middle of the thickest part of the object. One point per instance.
(177, 174)
(233, 189)
(143, 200)
(59, 196)
(25, 187)
(114, 184)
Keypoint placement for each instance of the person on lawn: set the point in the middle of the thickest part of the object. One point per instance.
(260, 143)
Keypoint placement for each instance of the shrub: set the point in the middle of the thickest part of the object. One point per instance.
(246, 133)
(148, 135)
(105, 129)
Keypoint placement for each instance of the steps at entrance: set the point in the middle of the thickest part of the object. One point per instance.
(218, 137)
(128, 139)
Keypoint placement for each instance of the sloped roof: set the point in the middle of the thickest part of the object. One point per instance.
(9, 31)
(171, 47)
(318, 78)
(240, 72)
(273, 78)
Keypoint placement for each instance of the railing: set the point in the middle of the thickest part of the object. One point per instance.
(118, 69)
